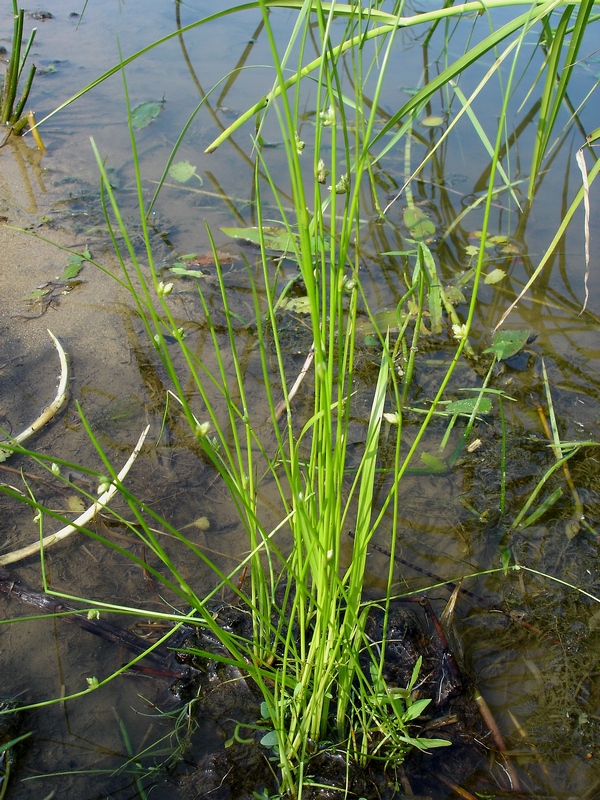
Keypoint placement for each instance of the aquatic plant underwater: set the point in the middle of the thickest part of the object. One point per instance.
(302, 579)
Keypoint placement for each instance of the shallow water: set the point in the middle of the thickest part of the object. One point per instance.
(543, 687)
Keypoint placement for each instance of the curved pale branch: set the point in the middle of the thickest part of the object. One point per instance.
(49, 411)
(83, 519)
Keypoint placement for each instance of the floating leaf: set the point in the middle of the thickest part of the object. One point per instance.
(454, 295)
(387, 319)
(187, 273)
(75, 504)
(200, 260)
(202, 523)
(495, 276)
(47, 70)
(467, 406)
(37, 294)
(427, 743)
(74, 266)
(432, 121)
(145, 113)
(418, 223)
(301, 305)
(275, 238)
(434, 463)
(507, 343)
(182, 171)
(487, 243)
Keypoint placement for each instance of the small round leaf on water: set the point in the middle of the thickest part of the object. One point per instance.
(182, 171)
(298, 305)
(507, 343)
(495, 276)
(432, 121)
(418, 223)
(143, 114)
(75, 504)
(433, 463)
(202, 523)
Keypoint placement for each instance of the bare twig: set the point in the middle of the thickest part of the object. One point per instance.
(49, 411)
(489, 720)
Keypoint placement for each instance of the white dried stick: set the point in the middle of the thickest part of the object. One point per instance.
(49, 411)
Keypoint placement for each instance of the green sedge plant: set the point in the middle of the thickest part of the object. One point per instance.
(306, 602)
(319, 667)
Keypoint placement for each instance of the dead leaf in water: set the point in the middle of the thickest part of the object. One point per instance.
(75, 504)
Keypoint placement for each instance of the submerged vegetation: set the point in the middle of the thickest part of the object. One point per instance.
(311, 654)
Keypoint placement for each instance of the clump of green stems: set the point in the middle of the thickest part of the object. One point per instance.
(11, 107)
(305, 595)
